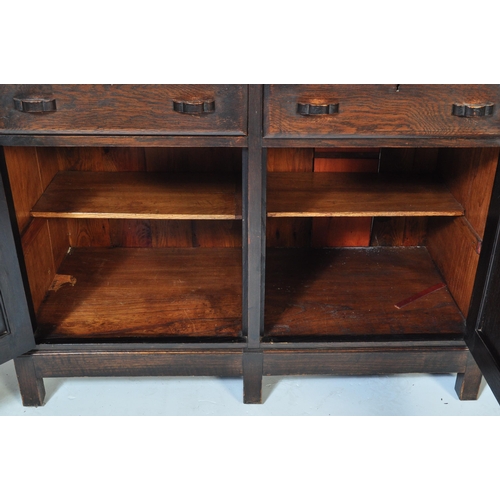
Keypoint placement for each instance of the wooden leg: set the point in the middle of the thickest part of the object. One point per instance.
(252, 377)
(468, 383)
(31, 386)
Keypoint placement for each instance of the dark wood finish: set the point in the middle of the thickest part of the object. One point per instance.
(136, 361)
(483, 320)
(368, 361)
(181, 141)
(254, 221)
(35, 105)
(30, 383)
(349, 292)
(472, 110)
(354, 195)
(194, 107)
(252, 377)
(310, 109)
(375, 110)
(148, 293)
(143, 308)
(468, 383)
(16, 335)
(125, 109)
(140, 195)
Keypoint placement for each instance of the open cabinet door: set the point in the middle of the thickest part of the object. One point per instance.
(483, 324)
(16, 330)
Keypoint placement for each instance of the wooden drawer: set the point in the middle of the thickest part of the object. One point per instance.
(124, 109)
(329, 111)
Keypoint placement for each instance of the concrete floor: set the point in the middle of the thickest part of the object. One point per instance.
(416, 395)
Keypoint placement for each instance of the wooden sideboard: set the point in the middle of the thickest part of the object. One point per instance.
(250, 230)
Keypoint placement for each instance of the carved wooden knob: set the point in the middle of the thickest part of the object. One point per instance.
(34, 104)
(308, 109)
(472, 109)
(195, 107)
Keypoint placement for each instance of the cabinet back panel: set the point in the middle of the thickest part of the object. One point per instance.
(146, 233)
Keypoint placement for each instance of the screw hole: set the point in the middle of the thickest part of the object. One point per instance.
(397, 88)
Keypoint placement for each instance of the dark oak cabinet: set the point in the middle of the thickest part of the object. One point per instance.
(250, 230)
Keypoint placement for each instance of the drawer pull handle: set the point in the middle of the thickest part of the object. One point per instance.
(308, 109)
(194, 107)
(34, 105)
(472, 109)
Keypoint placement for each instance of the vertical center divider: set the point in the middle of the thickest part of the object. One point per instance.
(254, 247)
(254, 221)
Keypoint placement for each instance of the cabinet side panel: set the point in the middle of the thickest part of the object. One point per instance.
(455, 249)
(469, 174)
(25, 183)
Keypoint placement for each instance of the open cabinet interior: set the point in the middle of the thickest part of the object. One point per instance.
(131, 243)
(373, 243)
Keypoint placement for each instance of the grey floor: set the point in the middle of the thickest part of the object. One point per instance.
(418, 395)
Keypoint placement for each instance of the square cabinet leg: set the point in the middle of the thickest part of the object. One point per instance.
(252, 377)
(469, 382)
(31, 386)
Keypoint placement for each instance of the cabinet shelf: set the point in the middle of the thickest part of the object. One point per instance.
(140, 195)
(353, 291)
(327, 194)
(168, 294)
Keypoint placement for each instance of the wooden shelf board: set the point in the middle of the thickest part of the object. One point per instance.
(353, 291)
(140, 195)
(333, 194)
(116, 293)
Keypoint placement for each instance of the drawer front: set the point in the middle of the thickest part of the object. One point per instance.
(124, 109)
(329, 111)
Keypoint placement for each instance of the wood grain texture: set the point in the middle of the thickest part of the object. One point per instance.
(133, 195)
(39, 261)
(336, 231)
(455, 249)
(468, 383)
(354, 195)
(399, 231)
(378, 110)
(147, 293)
(30, 384)
(125, 109)
(350, 292)
(368, 361)
(97, 159)
(403, 231)
(469, 174)
(85, 361)
(193, 159)
(88, 232)
(25, 183)
(149, 141)
(131, 233)
(292, 232)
